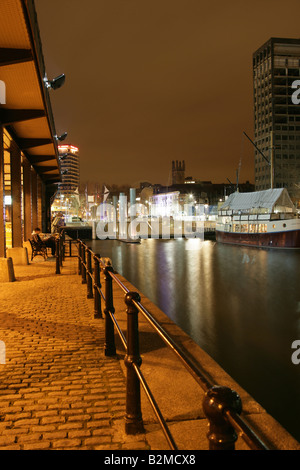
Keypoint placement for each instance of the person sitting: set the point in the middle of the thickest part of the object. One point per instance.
(48, 242)
(57, 223)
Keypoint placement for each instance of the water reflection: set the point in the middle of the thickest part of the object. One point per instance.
(241, 305)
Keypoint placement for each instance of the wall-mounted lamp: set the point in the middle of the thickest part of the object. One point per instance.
(56, 82)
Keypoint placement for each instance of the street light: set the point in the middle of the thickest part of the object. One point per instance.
(56, 82)
(63, 156)
(61, 137)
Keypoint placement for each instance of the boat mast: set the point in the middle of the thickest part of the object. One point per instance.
(270, 162)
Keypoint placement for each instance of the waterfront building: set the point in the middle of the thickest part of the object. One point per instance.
(204, 192)
(66, 200)
(276, 68)
(70, 169)
(29, 164)
(165, 204)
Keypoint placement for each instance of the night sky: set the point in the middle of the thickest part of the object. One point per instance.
(151, 81)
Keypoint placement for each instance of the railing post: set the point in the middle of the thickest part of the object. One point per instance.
(83, 265)
(63, 238)
(97, 286)
(79, 257)
(57, 249)
(133, 419)
(109, 344)
(61, 251)
(217, 400)
(89, 280)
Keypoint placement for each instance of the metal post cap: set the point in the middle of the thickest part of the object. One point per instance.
(132, 296)
(218, 399)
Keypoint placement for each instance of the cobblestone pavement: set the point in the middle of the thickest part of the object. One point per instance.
(57, 389)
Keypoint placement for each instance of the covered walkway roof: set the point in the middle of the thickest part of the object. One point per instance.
(27, 113)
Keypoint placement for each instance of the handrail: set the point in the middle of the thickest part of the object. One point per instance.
(59, 247)
(222, 406)
(60, 253)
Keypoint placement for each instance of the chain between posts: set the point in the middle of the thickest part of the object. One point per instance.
(222, 406)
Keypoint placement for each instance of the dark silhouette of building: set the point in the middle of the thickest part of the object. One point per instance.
(178, 172)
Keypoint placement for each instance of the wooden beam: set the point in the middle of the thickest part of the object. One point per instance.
(10, 116)
(30, 143)
(44, 169)
(52, 180)
(10, 56)
(34, 159)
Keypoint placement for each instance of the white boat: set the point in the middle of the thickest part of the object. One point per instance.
(261, 219)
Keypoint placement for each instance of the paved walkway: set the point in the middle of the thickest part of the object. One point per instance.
(57, 390)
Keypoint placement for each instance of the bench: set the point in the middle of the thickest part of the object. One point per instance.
(37, 249)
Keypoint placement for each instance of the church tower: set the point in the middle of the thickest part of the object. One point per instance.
(178, 172)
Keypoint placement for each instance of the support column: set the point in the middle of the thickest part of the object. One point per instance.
(44, 227)
(27, 200)
(34, 196)
(2, 207)
(49, 192)
(17, 236)
(39, 203)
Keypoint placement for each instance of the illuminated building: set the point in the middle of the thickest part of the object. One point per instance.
(165, 204)
(67, 200)
(70, 169)
(276, 65)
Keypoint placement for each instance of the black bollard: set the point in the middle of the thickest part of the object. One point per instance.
(109, 343)
(79, 257)
(83, 265)
(217, 400)
(97, 287)
(89, 280)
(57, 248)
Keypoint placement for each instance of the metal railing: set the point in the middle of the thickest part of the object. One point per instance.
(222, 406)
(60, 250)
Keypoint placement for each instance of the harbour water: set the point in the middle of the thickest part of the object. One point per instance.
(241, 305)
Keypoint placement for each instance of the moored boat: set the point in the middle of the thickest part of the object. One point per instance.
(262, 219)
